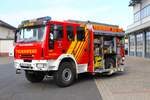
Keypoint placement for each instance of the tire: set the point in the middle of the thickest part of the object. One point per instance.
(65, 75)
(109, 62)
(34, 77)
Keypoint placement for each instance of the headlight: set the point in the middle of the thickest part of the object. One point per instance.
(40, 65)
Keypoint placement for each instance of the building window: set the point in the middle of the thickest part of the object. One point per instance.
(132, 45)
(145, 12)
(139, 40)
(148, 10)
(148, 44)
(137, 16)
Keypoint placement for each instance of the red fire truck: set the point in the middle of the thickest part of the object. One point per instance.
(44, 47)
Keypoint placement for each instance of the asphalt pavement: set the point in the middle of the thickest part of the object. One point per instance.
(16, 87)
(132, 84)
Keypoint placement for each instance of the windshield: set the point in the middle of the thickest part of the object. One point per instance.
(31, 34)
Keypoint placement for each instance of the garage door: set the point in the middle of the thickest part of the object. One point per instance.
(132, 45)
(6, 46)
(139, 45)
(148, 45)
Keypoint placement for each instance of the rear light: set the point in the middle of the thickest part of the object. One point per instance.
(123, 58)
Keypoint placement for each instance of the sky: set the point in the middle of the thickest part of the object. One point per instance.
(105, 11)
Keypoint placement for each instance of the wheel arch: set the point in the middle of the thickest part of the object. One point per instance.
(68, 58)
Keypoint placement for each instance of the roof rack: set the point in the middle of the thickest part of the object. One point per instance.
(96, 23)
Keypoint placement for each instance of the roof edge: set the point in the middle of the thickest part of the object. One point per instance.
(4, 24)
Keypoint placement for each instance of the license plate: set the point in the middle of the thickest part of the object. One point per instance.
(25, 64)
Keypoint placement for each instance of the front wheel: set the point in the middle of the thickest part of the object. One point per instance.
(34, 77)
(65, 75)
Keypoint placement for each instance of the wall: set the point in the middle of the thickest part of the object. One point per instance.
(136, 8)
(141, 14)
(145, 3)
(6, 33)
(6, 46)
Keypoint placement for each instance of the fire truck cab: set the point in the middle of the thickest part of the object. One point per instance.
(65, 49)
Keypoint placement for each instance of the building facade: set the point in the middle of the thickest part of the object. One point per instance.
(6, 38)
(139, 32)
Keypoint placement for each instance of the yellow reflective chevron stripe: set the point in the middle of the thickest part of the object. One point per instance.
(77, 47)
(82, 47)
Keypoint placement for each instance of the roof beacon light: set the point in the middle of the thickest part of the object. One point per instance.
(47, 18)
(37, 21)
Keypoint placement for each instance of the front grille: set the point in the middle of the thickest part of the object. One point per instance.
(26, 56)
(27, 60)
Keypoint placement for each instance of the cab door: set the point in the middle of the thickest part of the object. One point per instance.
(70, 39)
(56, 38)
(81, 48)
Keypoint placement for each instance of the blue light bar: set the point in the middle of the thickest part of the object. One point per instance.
(47, 18)
(37, 21)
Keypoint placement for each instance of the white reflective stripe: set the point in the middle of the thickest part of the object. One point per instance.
(63, 56)
(82, 68)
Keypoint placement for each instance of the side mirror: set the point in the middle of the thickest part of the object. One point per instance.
(15, 38)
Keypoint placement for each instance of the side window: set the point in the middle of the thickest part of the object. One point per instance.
(57, 31)
(51, 41)
(80, 34)
(70, 32)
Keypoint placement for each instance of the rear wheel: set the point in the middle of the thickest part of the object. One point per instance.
(34, 77)
(65, 75)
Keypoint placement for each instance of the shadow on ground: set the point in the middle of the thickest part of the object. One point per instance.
(85, 77)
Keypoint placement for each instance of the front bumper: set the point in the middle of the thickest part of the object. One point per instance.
(35, 65)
